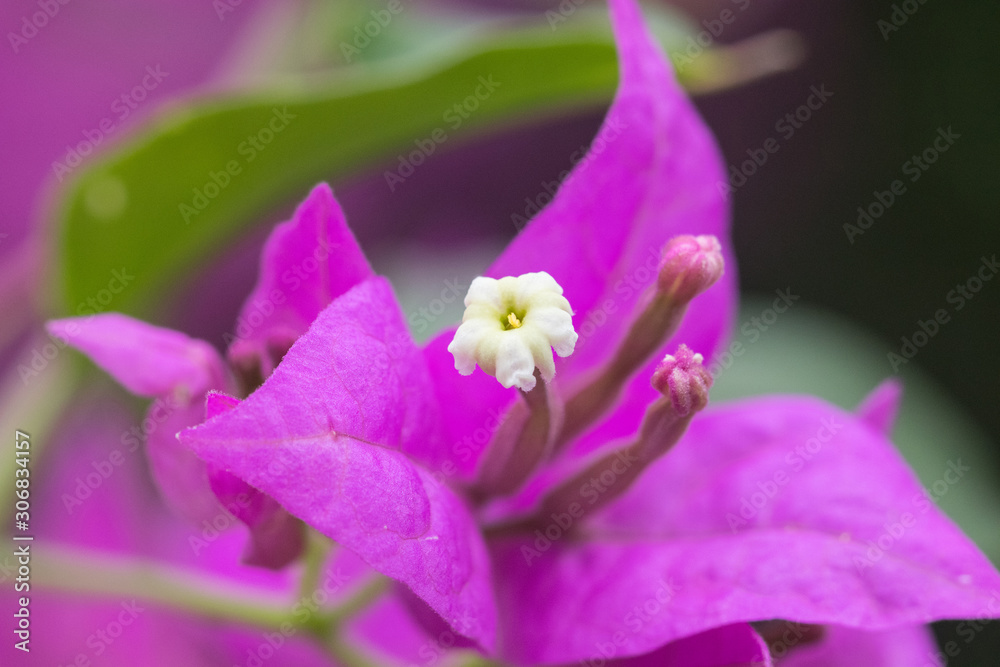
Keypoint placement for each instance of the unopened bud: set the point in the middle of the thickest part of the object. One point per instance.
(684, 380)
(690, 265)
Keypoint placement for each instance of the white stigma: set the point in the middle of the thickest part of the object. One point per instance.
(510, 328)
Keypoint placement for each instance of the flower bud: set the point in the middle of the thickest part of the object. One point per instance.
(690, 265)
(684, 380)
(684, 383)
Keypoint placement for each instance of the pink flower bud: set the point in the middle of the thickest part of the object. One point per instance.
(690, 265)
(684, 380)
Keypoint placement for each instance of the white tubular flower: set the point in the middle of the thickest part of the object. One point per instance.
(510, 327)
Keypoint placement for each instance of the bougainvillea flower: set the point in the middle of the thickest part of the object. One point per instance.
(603, 513)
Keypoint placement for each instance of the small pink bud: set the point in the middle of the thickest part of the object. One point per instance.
(684, 380)
(690, 265)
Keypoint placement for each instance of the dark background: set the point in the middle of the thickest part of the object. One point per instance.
(890, 96)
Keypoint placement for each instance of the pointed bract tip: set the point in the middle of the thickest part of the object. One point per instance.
(690, 265)
(880, 408)
(683, 379)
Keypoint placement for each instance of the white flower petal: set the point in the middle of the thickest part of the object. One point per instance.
(515, 363)
(484, 291)
(510, 327)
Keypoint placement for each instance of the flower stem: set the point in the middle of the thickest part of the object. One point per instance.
(101, 574)
(116, 576)
(317, 550)
(521, 442)
(35, 406)
(347, 655)
(480, 661)
(365, 595)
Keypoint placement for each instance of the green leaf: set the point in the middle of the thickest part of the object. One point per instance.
(195, 178)
(169, 197)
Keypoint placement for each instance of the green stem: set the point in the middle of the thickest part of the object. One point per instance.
(364, 596)
(317, 550)
(347, 655)
(115, 576)
(34, 406)
(99, 574)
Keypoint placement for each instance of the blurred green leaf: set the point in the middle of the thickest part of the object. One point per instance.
(194, 179)
(128, 211)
